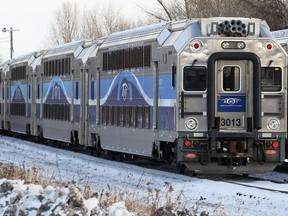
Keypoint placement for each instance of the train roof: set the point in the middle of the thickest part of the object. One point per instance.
(31, 59)
(137, 32)
(74, 48)
(176, 33)
(144, 33)
(281, 36)
(89, 47)
(4, 66)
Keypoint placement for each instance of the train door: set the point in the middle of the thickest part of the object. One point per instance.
(232, 96)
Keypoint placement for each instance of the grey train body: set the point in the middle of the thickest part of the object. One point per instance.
(209, 94)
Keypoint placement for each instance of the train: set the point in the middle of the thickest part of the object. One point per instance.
(207, 95)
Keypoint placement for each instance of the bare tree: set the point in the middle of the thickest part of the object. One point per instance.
(273, 11)
(65, 26)
(114, 20)
(69, 24)
(100, 22)
(91, 26)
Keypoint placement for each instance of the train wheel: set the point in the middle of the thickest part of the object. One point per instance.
(181, 168)
(96, 152)
(119, 157)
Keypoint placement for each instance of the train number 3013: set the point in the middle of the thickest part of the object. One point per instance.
(230, 122)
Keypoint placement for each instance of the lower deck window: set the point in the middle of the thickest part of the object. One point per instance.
(127, 116)
(194, 78)
(271, 79)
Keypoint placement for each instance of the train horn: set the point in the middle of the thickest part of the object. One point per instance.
(232, 28)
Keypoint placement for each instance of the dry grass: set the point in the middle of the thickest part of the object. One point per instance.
(150, 206)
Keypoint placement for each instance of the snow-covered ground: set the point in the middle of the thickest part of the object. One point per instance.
(131, 183)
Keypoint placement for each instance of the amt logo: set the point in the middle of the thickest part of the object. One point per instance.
(231, 101)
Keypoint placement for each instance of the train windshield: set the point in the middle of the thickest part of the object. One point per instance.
(194, 78)
(231, 78)
(271, 80)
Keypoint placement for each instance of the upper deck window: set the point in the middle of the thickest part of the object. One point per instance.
(18, 73)
(136, 57)
(271, 80)
(194, 78)
(231, 78)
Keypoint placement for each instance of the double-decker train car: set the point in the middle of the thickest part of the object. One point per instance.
(4, 67)
(282, 38)
(206, 94)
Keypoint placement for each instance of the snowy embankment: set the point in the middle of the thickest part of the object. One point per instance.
(114, 182)
(18, 198)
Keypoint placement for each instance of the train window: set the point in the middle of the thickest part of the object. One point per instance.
(110, 61)
(67, 111)
(50, 111)
(50, 68)
(54, 72)
(271, 79)
(92, 90)
(147, 117)
(62, 112)
(105, 61)
(140, 116)
(44, 111)
(29, 92)
(115, 60)
(194, 78)
(147, 56)
(127, 58)
(45, 68)
(134, 58)
(110, 115)
(76, 90)
(231, 78)
(57, 71)
(60, 71)
(140, 56)
(115, 115)
(38, 91)
(127, 116)
(103, 115)
(63, 66)
(133, 116)
(121, 59)
(121, 116)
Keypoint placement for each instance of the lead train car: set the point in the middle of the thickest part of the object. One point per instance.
(208, 94)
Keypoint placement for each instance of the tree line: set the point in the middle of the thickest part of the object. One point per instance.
(69, 24)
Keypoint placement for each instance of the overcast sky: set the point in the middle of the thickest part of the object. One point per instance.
(33, 18)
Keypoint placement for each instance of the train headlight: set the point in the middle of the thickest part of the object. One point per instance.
(273, 124)
(191, 123)
(233, 45)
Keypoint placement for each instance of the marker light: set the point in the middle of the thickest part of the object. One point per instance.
(196, 45)
(275, 144)
(187, 143)
(269, 46)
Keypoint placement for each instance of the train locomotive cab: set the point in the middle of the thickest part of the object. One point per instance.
(232, 94)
